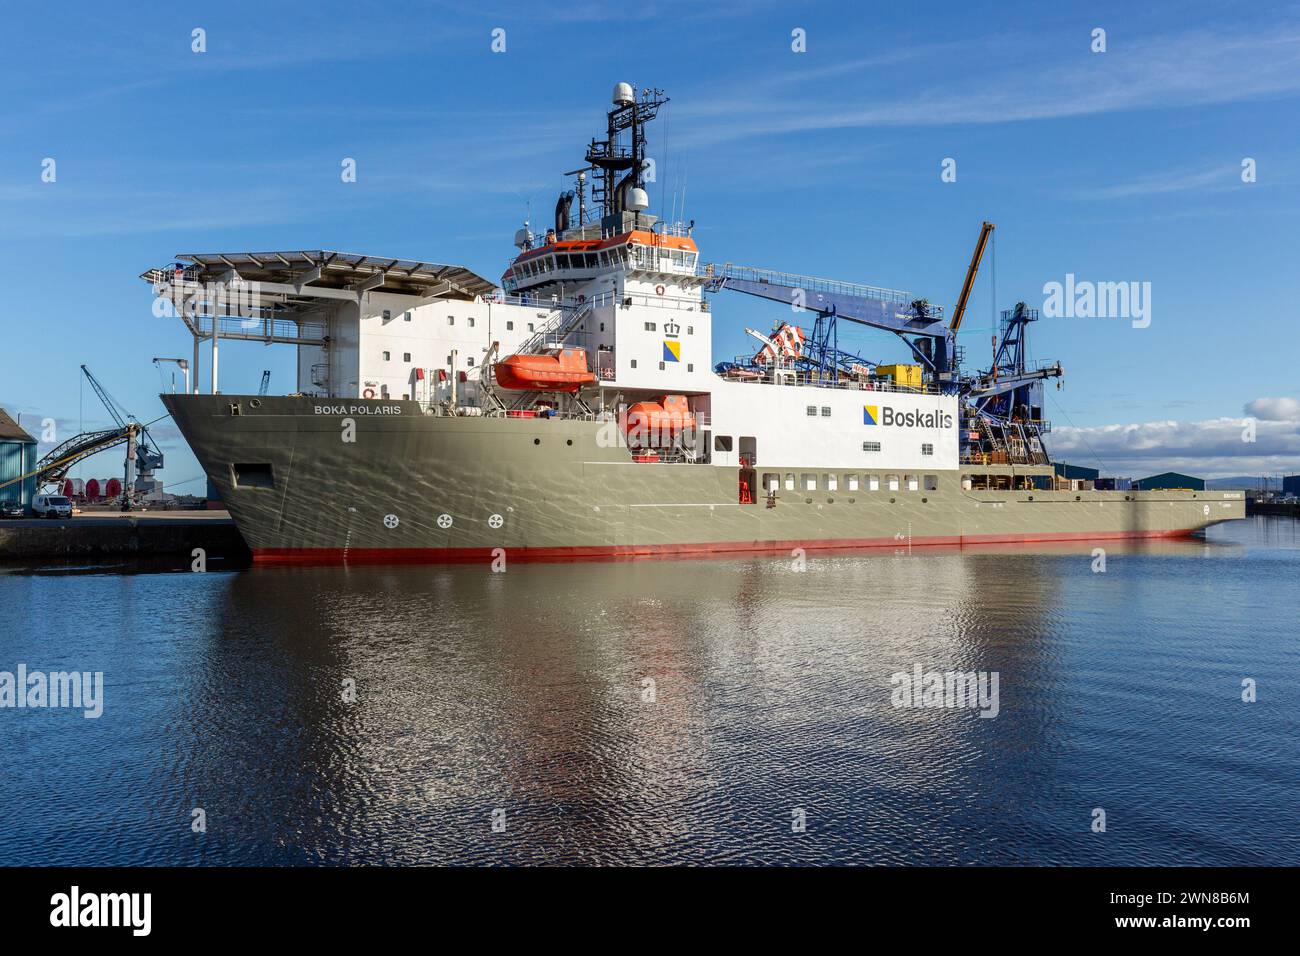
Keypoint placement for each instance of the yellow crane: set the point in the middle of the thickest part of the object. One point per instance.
(986, 230)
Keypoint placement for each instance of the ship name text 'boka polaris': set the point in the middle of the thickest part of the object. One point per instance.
(578, 410)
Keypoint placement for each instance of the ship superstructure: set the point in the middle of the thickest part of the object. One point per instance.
(578, 408)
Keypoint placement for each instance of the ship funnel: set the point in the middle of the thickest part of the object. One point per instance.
(623, 94)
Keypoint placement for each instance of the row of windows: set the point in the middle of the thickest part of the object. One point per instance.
(406, 357)
(810, 481)
(927, 449)
(690, 366)
(451, 319)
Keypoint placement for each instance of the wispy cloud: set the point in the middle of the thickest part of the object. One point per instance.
(1190, 69)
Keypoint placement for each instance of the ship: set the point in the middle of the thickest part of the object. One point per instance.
(575, 408)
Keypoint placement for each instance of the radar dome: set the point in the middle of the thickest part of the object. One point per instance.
(623, 94)
(523, 238)
(637, 199)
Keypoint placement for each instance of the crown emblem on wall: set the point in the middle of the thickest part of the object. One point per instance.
(671, 328)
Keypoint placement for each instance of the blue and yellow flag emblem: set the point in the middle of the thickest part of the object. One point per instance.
(672, 351)
(870, 414)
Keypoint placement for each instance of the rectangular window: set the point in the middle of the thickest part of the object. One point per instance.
(406, 356)
(661, 366)
(722, 443)
(891, 481)
(812, 411)
(649, 326)
(470, 320)
(634, 363)
(771, 481)
(387, 315)
(826, 411)
(912, 483)
(690, 366)
(469, 362)
(873, 482)
(809, 482)
(387, 356)
(406, 316)
(451, 320)
(832, 482)
(931, 482)
(530, 326)
(510, 326)
(927, 449)
(871, 446)
(852, 481)
(690, 330)
(789, 481)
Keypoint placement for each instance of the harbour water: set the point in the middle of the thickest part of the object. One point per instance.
(667, 711)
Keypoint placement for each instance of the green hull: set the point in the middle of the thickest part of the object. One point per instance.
(417, 486)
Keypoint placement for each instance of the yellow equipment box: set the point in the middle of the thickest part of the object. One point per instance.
(909, 376)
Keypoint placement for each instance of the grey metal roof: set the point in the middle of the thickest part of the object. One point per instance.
(10, 430)
(338, 270)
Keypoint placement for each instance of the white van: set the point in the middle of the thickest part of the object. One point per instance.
(51, 506)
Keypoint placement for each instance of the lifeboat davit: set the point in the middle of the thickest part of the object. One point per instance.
(658, 424)
(555, 370)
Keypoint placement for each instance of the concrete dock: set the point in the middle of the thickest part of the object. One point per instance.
(114, 534)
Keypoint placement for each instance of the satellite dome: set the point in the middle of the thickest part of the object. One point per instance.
(623, 94)
(637, 199)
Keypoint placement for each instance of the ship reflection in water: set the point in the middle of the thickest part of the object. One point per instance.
(668, 711)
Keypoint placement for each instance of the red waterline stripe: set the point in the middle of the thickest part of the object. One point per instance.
(619, 552)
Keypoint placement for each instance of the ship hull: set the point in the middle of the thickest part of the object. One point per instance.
(347, 480)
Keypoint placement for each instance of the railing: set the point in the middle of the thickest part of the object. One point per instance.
(795, 377)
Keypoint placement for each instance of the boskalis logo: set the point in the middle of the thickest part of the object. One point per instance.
(884, 415)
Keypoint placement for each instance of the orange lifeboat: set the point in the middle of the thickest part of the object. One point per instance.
(555, 370)
(658, 424)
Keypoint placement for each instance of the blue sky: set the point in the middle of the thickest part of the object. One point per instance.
(1115, 166)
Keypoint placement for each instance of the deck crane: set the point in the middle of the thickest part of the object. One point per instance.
(919, 324)
(266, 382)
(1001, 408)
(972, 270)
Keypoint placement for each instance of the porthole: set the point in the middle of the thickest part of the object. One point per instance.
(569, 442)
(537, 441)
